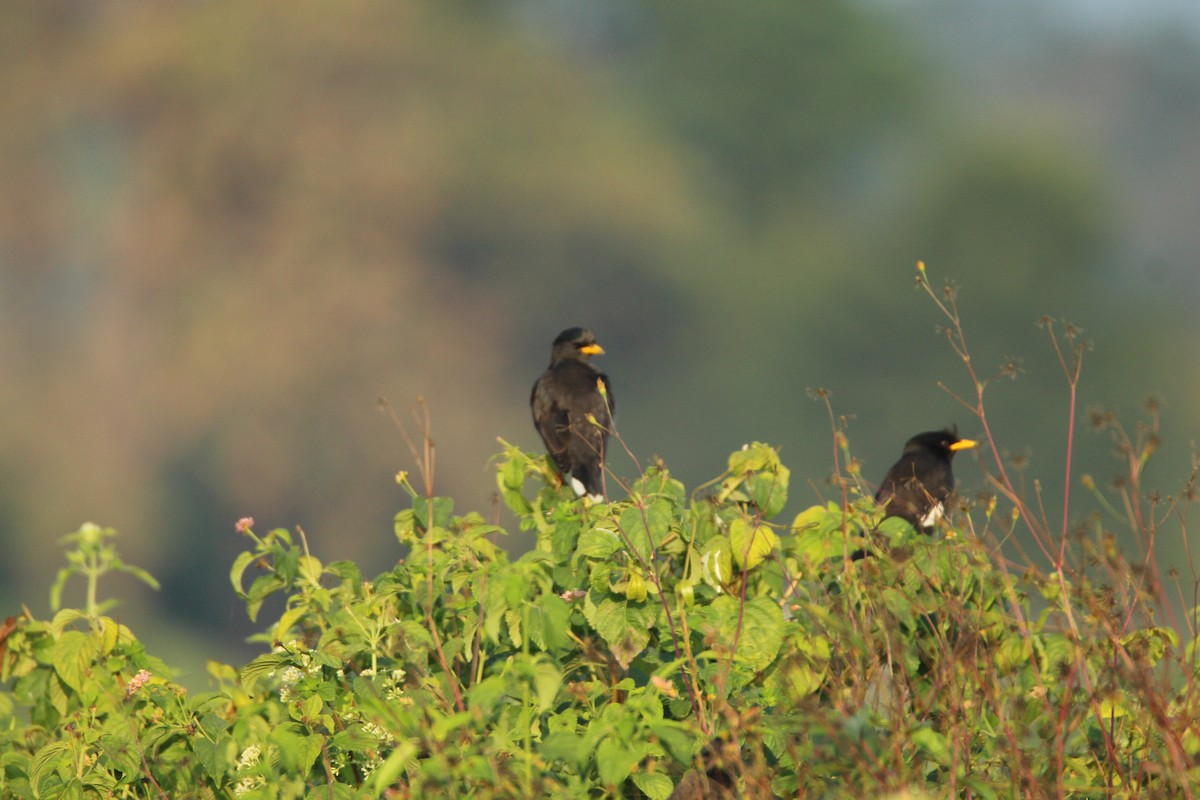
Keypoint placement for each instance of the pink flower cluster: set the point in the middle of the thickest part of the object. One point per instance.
(137, 682)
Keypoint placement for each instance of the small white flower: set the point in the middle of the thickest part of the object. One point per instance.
(379, 733)
(249, 757)
(247, 785)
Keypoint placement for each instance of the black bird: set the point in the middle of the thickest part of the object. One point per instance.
(564, 401)
(917, 486)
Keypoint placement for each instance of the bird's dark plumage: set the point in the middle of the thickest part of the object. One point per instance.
(917, 486)
(563, 399)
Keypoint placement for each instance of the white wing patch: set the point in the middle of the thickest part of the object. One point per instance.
(933, 515)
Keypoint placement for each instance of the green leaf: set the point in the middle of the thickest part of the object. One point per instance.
(137, 572)
(261, 667)
(750, 543)
(648, 525)
(64, 618)
(716, 562)
(655, 785)
(510, 479)
(565, 746)
(385, 776)
(240, 563)
(676, 737)
(751, 458)
(310, 569)
(817, 534)
(47, 762)
(287, 619)
(1150, 644)
(814, 517)
(72, 656)
(1012, 653)
(56, 588)
(932, 743)
(550, 623)
(898, 603)
(806, 665)
(297, 748)
(311, 707)
(762, 629)
(433, 512)
(624, 625)
(599, 541)
(547, 680)
(262, 588)
(769, 490)
(615, 760)
(444, 726)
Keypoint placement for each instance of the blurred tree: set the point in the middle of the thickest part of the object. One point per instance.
(782, 99)
(230, 229)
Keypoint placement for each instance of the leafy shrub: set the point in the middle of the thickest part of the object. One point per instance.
(666, 633)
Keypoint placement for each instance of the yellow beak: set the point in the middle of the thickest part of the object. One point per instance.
(964, 444)
(592, 349)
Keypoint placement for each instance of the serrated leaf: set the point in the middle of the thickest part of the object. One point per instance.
(346, 571)
(72, 655)
(762, 629)
(655, 785)
(648, 525)
(675, 737)
(625, 626)
(510, 479)
(260, 667)
(599, 541)
(48, 761)
(750, 543)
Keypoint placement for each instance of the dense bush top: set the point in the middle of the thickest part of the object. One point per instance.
(600, 663)
(670, 643)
